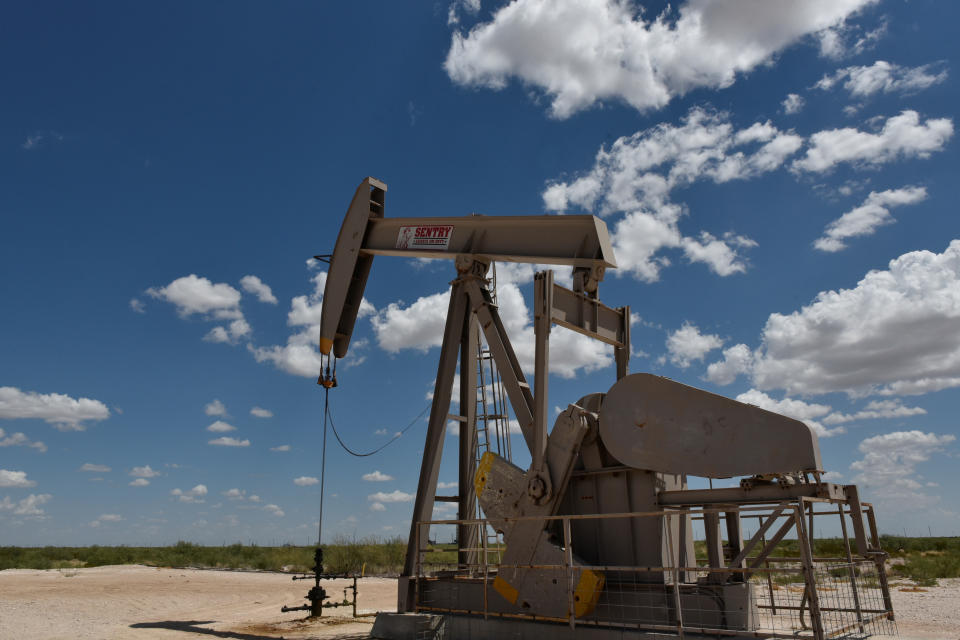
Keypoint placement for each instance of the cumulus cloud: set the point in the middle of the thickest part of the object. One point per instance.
(876, 409)
(144, 472)
(377, 476)
(888, 470)
(261, 413)
(94, 468)
(737, 360)
(305, 481)
(403, 327)
(137, 306)
(393, 496)
(797, 409)
(234, 494)
(253, 284)
(864, 220)
(281, 448)
(192, 495)
(20, 439)
(29, 506)
(793, 103)
(215, 408)
(902, 136)
(139, 482)
(415, 326)
(581, 52)
(637, 174)
(221, 427)
(687, 345)
(300, 355)
(61, 411)
(377, 506)
(273, 510)
(884, 77)
(226, 441)
(16, 479)
(897, 332)
(193, 294)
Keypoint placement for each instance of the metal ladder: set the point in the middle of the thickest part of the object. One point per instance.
(492, 430)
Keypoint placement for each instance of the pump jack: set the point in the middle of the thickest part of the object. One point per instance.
(606, 493)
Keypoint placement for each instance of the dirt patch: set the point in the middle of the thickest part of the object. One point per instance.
(137, 602)
(143, 602)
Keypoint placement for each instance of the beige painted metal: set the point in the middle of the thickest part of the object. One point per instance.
(577, 241)
(651, 422)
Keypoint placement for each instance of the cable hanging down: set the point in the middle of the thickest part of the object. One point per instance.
(396, 437)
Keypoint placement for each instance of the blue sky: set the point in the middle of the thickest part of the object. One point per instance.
(779, 179)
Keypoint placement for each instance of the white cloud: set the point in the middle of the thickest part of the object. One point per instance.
(793, 103)
(305, 481)
(864, 220)
(797, 409)
(94, 468)
(282, 447)
(144, 472)
(234, 494)
(737, 360)
(15, 479)
(226, 441)
(417, 326)
(137, 306)
(887, 471)
(300, 355)
(41, 138)
(399, 327)
(261, 413)
(844, 40)
(876, 409)
(580, 52)
(376, 476)
(106, 517)
(62, 411)
(139, 482)
(638, 173)
(687, 345)
(896, 333)
(221, 427)
(253, 284)
(377, 506)
(274, 510)
(885, 77)
(447, 485)
(29, 506)
(393, 496)
(192, 495)
(20, 439)
(215, 408)
(902, 136)
(195, 295)
(192, 294)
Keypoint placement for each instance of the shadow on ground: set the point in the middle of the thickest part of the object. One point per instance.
(193, 626)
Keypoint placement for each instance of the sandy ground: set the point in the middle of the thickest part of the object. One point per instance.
(139, 602)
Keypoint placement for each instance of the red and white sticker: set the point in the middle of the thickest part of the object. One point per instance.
(434, 236)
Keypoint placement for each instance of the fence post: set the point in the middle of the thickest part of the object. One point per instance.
(806, 557)
(674, 561)
(853, 573)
